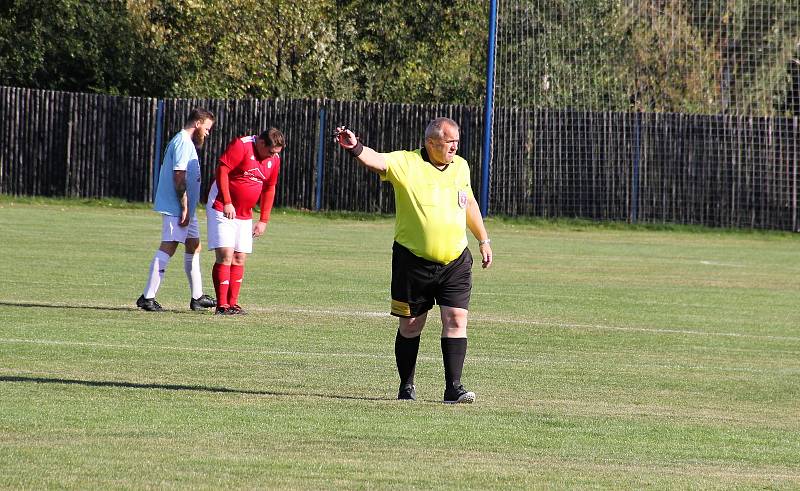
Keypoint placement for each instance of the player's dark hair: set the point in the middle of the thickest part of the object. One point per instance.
(273, 138)
(199, 114)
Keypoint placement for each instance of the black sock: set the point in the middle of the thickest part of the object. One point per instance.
(405, 354)
(454, 350)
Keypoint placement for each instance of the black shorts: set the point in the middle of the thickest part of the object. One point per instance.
(418, 283)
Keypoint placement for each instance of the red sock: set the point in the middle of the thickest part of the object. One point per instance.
(237, 272)
(221, 274)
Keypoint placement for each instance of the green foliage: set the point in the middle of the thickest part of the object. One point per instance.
(388, 51)
(686, 56)
(768, 41)
(418, 50)
(562, 54)
(670, 56)
(674, 67)
(74, 45)
(245, 48)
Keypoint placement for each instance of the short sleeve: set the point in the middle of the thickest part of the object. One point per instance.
(465, 178)
(184, 153)
(396, 166)
(276, 167)
(233, 155)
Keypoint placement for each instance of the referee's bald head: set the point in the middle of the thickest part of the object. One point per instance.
(435, 128)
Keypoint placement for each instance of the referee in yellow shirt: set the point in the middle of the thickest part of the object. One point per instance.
(430, 260)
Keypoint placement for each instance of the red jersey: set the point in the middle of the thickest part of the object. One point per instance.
(248, 177)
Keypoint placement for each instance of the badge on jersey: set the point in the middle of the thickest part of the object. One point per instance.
(462, 199)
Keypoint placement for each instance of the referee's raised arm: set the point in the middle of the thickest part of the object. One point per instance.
(365, 156)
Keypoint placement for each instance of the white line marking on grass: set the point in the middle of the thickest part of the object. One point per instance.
(340, 313)
(532, 322)
(327, 354)
(494, 320)
(389, 356)
(189, 348)
(715, 263)
(656, 330)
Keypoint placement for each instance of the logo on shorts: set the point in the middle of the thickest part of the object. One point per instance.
(462, 199)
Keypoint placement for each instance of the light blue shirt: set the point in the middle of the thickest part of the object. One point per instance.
(181, 154)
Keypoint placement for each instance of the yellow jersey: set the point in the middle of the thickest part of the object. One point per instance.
(431, 204)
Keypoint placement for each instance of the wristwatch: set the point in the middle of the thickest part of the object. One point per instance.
(484, 241)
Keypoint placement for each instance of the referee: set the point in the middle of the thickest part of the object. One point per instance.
(430, 260)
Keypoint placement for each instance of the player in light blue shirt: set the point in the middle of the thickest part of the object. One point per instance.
(177, 195)
(181, 155)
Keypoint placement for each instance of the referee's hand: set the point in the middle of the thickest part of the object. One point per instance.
(486, 255)
(345, 137)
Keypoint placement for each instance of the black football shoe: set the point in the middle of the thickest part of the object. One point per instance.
(223, 311)
(458, 395)
(237, 309)
(148, 304)
(407, 392)
(202, 303)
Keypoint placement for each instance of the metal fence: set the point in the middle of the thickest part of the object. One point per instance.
(729, 171)
(83, 145)
(721, 170)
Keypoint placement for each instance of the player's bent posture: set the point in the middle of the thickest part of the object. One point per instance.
(430, 260)
(177, 195)
(246, 175)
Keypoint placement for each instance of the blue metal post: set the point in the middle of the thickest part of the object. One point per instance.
(637, 132)
(157, 161)
(488, 115)
(320, 158)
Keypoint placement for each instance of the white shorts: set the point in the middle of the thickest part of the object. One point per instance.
(224, 232)
(172, 232)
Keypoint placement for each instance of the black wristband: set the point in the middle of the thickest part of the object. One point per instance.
(356, 151)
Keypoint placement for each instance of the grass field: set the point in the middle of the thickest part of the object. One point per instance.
(602, 357)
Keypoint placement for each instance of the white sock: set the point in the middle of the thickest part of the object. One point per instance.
(191, 264)
(157, 268)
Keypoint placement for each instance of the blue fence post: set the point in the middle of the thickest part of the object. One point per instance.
(795, 226)
(320, 159)
(157, 160)
(488, 110)
(637, 136)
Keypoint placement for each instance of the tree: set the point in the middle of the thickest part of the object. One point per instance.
(690, 56)
(74, 45)
(416, 50)
(244, 48)
(670, 61)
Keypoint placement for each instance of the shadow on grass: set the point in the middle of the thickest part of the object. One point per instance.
(132, 308)
(63, 306)
(195, 388)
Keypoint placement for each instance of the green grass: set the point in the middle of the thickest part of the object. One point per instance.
(602, 356)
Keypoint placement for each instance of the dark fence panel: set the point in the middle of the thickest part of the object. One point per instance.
(81, 145)
(116, 149)
(32, 124)
(387, 127)
(560, 163)
(297, 119)
(716, 170)
(729, 171)
(711, 170)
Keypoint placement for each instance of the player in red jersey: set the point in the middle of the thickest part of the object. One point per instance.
(246, 175)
